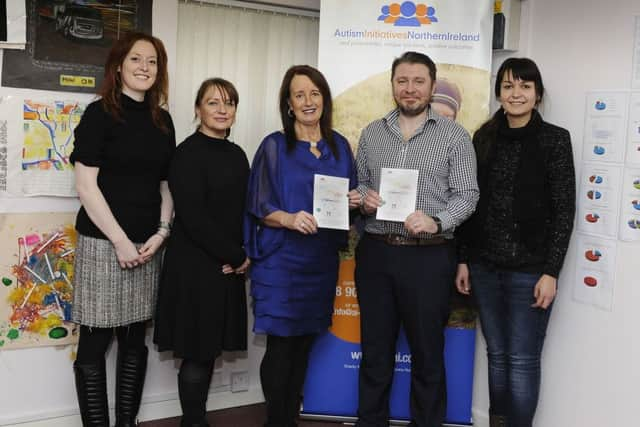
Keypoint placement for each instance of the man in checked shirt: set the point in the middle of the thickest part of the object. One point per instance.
(405, 270)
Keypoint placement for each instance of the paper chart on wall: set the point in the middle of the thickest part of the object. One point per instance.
(604, 129)
(37, 152)
(630, 206)
(633, 135)
(635, 72)
(36, 270)
(598, 199)
(595, 271)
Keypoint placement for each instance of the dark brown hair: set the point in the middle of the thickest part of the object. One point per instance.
(111, 88)
(415, 58)
(225, 87)
(524, 69)
(317, 79)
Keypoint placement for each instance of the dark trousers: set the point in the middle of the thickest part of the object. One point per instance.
(282, 373)
(515, 333)
(94, 342)
(409, 286)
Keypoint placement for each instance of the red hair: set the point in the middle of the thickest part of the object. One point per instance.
(111, 88)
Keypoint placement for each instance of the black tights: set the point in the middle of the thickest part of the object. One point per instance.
(94, 342)
(193, 387)
(282, 373)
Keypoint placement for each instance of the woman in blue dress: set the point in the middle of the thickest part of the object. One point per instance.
(294, 263)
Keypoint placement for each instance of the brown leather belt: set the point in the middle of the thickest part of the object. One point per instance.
(398, 240)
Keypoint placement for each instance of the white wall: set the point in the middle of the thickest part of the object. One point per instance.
(36, 385)
(590, 374)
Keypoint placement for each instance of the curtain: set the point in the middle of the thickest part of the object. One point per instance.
(250, 48)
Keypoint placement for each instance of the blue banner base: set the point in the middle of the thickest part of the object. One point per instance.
(331, 387)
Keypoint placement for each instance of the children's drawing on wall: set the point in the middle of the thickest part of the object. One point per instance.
(36, 142)
(36, 270)
(68, 41)
(47, 145)
(48, 134)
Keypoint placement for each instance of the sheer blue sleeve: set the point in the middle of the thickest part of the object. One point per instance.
(264, 196)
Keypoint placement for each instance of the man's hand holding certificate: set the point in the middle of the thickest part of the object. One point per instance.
(330, 202)
(398, 189)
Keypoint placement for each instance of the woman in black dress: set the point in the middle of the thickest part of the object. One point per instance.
(202, 302)
(123, 147)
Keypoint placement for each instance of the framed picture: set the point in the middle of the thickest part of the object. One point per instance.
(68, 42)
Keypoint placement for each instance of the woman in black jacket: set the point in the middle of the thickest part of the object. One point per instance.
(512, 249)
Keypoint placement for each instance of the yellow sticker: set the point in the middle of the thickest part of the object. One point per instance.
(78, 81)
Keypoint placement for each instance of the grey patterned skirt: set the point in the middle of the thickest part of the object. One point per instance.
(105, 295)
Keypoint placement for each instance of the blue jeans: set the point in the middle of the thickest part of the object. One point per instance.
(514, 332)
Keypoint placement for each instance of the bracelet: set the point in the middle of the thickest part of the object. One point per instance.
(163, 232)
(165, 225)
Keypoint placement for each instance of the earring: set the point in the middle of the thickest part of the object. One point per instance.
(290, 112)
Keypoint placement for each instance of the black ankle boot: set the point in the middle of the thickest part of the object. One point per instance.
(130, 372)
(498, 421)
(91, 386)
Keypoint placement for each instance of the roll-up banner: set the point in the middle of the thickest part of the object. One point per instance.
(359, 40)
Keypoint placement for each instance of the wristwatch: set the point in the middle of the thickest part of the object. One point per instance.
(438, 223)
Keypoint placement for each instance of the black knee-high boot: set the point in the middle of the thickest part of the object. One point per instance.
(91, 386)
(130, 373)
(193, 387)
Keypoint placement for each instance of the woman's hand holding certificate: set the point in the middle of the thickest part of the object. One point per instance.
(331, 202)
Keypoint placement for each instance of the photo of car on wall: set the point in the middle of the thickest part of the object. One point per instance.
(68, 42)
(80, 22)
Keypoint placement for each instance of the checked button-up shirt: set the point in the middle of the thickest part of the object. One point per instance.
(441, 151)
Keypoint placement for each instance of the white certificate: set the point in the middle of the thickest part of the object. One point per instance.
(331, 201)
(398, 189)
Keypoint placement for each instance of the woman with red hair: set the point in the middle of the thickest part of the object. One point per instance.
(123, 146)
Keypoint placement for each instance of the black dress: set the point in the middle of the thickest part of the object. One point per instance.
(200, 310)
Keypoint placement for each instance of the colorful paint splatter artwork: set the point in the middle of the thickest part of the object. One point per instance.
(36, 260)
(48, 134)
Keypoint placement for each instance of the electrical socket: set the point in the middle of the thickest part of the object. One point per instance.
(239, 381)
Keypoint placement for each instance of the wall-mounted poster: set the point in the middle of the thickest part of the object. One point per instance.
(12, 24)
(630, 206)
(595, 271)
(598, 199)
(36, 272)
(68, 42)
(35, 145)
(633, 143)
(604, 127)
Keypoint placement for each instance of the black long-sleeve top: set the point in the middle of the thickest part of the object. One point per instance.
(208, 181)
(526, 210)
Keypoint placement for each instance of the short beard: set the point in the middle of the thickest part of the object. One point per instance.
(412, 112)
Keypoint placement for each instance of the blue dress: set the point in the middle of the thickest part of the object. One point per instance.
(293, 276)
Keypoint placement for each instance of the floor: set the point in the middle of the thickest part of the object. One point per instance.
(243, 416)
